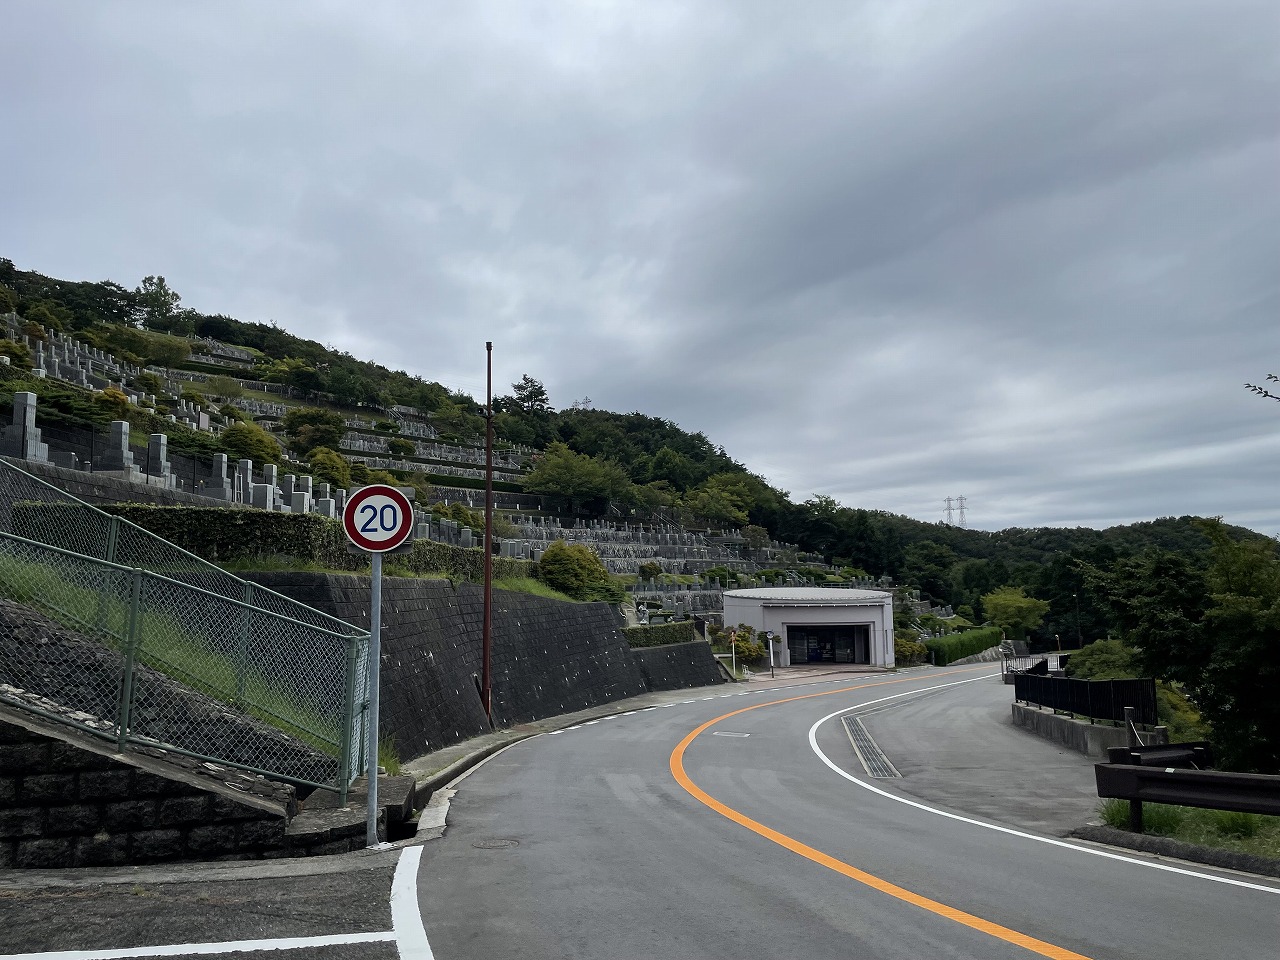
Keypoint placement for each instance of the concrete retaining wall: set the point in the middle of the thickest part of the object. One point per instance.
(677, 666)
(98, 489)
(548, 657)
(1092, 739)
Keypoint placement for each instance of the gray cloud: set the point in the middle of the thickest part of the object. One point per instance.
(888, 252)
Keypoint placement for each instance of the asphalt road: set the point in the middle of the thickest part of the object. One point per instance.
(727, 822)
(586, 844)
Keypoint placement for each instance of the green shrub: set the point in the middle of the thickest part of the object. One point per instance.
(575, 569)
(957, 646)
(224, 535)
(907, 653)
(748, 649)
(649, 570)
(1103, 660)
(660, 634)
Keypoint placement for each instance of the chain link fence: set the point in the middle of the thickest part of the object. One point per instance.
(111, 628)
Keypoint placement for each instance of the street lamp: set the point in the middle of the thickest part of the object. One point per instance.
(1079, 643)
(769, 637)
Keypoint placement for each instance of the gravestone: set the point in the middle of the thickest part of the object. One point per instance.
(158, 459)
(117, 459)
(22, 439)
(218, 486)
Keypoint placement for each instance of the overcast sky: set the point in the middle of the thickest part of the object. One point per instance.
(890, 252)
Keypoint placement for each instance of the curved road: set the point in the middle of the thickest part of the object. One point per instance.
(743, 825)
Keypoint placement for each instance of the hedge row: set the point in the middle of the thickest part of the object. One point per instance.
(660, 634)
(468, 483)
(220, 534)
(957, 646)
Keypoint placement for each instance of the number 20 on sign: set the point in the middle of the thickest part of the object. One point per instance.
(377, 518)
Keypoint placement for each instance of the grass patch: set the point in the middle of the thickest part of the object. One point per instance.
(1221, 829)
(168, 645)
(535, 587)
(388, 756)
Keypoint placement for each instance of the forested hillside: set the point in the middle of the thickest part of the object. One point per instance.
(588, 459)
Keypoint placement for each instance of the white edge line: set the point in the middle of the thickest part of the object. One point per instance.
(406, 920)
(229, 946)
(813, 745)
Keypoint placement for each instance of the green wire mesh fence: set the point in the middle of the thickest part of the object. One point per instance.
(118, 632)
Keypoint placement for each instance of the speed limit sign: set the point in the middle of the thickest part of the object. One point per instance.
(378, 518)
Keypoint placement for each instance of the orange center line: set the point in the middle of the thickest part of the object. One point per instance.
(839, 866)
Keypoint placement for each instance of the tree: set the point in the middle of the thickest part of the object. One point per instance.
(576, 570)
(1012, 610)
(157, 302)
(248, 441)
(1263, 392)
(229, 388)
(310, 427)
(756, 538)
(400, 447)
(329, 466)
(530, 396)
(574, 478)
(1213, 631)
(165, 351)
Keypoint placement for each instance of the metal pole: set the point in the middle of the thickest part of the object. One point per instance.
(130, 652)
(375, 664)
(486, 694)
(349, 721)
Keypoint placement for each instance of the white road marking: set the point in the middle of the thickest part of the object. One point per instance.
(406, 920)
(228, 946)
(813, 745)
(408, 933)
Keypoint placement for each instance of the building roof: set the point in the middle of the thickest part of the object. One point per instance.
(814, 596)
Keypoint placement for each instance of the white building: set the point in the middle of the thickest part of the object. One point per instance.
(812, 624)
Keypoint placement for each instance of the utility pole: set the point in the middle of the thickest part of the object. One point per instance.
(486, 694)
(948, 503)
(961, 500)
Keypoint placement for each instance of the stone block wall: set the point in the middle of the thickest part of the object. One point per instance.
(548, 657)
(677, 666)
(67, 802)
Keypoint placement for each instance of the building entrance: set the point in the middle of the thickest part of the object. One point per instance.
(837, 643)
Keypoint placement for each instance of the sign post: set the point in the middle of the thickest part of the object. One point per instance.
(376, 519)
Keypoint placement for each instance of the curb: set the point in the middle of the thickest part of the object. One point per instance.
(1179, 850)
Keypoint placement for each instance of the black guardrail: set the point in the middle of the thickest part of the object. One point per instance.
(1212, 789)
(1095, 699)
(1193, 755)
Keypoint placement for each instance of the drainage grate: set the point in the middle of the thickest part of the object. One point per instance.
(873, 759)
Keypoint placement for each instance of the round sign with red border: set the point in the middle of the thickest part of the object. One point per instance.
(377, 518)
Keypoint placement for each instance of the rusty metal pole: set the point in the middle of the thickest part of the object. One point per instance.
(486, 693)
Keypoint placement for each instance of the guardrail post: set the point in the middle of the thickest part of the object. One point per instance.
(1135, 816)
(348, 717)
(130, 650)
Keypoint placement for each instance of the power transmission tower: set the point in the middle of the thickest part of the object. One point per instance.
(948, 503)
(961, 500)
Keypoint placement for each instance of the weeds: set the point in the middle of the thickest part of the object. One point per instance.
(1223, 829)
